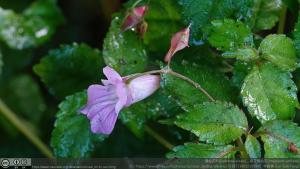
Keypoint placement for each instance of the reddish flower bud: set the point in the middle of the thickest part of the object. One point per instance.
(134, 17)
(179, 41)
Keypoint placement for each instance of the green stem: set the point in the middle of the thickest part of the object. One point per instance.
(282, 19)
(19, 124)
(159, 138)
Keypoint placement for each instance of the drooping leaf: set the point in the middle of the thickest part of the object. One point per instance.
(229, 35)
(163, 21)
(72, 136)
(217, 123)
(193, 150)
(252, 147)
(70, 69)
(31, 28)
(279, 50)
(278, 136)
(185, 94)
(200, 13)
(124, 51)
(265, 14)
(270, 93)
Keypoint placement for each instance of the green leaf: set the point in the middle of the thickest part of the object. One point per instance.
(245, 54)
(70, 69)
(272, 49)
(270, 93)
(252, 147)
(163, 20)
(31, 28)
(185, 94)
(193, 150)
(276, 136)
(229, 35)
(217, 123)
(72, 136)
(265, 14)
(124, 51)
(200, 13)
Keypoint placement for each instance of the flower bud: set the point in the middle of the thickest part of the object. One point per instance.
(178, 42)
(134, 17)
(142, 28)
(143, 86)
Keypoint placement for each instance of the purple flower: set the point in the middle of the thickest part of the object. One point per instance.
(105, 101)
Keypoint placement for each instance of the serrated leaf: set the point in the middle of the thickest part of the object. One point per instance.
(229, 35)
(276, 135)
(163, 20)
(270, 93)
(70, 68)
(217, 123)
(124, 51)
(72, 136)
(185, 94)
(200, 13)
(252, 147)
(272, 49)
(265, 14)
(31, 28)
(193, 150)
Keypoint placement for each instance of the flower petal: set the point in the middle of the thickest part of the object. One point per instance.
(122, 93)
(111, 75)
(104, 122)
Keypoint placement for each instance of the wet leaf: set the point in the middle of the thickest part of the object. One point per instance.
(229, 35)
(270, 93)
(217, 123)
(240, 71)
(193, 150)
(72, 136)
(272, 49)
(252, 147)
(70, 68)
(277, 136)
(124, 51)
(31, 28)
(296, 35)
(200, 13)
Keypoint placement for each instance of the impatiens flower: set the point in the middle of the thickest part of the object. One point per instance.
(134, 18)
(105, 101)
(179, 41)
